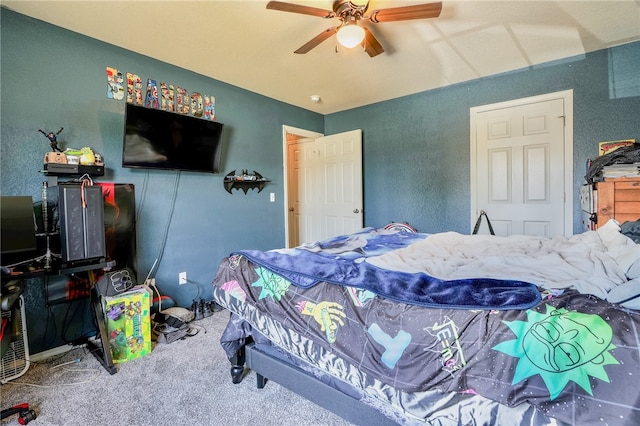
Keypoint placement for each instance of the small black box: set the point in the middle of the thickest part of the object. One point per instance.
(73, 169)
(61, 168)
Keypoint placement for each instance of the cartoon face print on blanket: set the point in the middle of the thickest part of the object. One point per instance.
(556, 356)
(561, 346)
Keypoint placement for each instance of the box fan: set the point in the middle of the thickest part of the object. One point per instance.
(15, 361)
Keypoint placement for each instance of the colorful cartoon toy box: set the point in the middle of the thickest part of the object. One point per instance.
(128, 324)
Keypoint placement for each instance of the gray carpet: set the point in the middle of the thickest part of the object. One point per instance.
(183, 383)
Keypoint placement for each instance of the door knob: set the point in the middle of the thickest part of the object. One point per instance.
(290, 209)
(356, 211)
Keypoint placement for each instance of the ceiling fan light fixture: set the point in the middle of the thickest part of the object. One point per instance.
(350, 35)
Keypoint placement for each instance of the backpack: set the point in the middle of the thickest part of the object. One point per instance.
(172, 324)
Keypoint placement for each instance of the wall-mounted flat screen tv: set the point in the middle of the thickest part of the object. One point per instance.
(156, 139)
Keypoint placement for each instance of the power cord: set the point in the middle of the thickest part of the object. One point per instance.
(169, 218)
(73, 370)
(75, 361)
(96, 372)
(143, 192)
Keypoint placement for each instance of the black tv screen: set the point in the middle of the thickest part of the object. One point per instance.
(156, 139)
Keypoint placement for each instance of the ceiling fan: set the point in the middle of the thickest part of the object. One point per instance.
(351, 13)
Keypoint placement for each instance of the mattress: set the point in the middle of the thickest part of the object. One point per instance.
(566, 357)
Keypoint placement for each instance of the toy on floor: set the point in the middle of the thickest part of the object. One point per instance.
(25, 415)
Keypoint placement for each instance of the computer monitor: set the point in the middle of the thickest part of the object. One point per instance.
(17, 225)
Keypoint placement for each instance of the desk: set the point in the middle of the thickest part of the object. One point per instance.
(100, 350)
(99, 347)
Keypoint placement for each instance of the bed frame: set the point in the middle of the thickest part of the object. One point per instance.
(267, 367)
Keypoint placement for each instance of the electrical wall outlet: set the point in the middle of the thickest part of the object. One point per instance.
(182, 278)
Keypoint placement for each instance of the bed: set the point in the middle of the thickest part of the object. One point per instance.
(386, 326)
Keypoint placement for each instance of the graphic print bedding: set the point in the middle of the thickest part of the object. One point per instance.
(573, 356)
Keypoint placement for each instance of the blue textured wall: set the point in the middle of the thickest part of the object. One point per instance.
(416, 148)
(54, 78)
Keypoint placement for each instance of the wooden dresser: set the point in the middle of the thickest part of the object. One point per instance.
(619, 199)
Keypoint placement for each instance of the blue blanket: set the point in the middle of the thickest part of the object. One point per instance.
(340, 261)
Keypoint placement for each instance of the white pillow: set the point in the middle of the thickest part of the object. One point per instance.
(627, 294)
(634, 270)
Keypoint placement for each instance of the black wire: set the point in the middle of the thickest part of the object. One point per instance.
(68, 321)
(143, 195)
(51, 319)
(168, 225)
(50, 316)
(79, 310)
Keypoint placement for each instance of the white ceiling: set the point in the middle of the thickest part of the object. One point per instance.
(244, 44)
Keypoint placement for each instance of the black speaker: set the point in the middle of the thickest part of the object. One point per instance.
(81, 222)
(94, 241)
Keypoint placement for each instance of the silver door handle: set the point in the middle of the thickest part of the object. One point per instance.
(356, 211)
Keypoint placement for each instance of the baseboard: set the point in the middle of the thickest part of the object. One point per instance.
(50, 353)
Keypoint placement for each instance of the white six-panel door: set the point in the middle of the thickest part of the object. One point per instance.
(521, 178)
(324, 186)
(340, 183)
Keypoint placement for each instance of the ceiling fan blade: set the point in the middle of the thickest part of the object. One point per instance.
(419, 11)
(297, 8)
(317, 40)
(371, 44)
